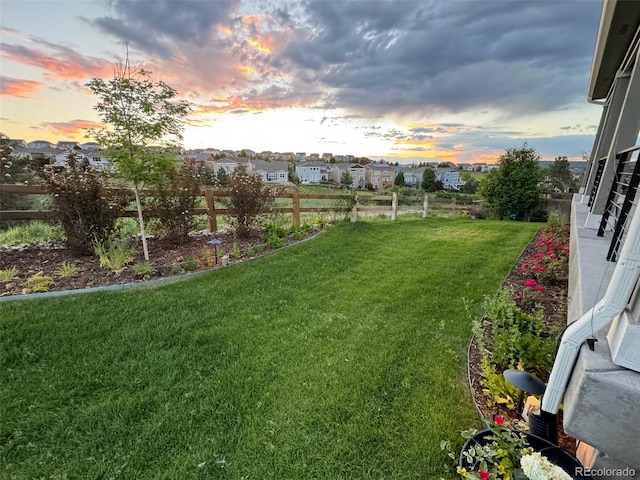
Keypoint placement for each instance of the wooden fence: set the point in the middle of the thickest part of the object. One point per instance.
(354, 205)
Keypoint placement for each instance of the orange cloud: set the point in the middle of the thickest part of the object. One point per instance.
(62, 64)
(13, 87)
(73, 128)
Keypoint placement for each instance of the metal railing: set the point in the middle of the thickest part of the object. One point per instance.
(621, 204)
(596, 180)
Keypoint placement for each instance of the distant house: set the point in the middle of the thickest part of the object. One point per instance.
(450, 178)
(90, 146)
(465, 167)
(229, 164)
(271, 172)
(314, 156)
(312, 172)
(380, 175)
(67, 145)
(356, 171)
(327, 157)
(39, 144)
(412, 176)
(480, 167)
(200, 160)
(17, 142)
(286, 156)
(301, 157)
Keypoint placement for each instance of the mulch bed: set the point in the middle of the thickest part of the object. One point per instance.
(554, 304)
(164, 255)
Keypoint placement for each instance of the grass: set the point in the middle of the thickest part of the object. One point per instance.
(343, 357)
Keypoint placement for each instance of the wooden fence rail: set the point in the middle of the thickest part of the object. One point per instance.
(362, 204)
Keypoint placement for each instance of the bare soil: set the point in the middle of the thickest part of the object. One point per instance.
(166, 257)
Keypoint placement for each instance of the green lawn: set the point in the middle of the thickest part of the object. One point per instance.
(340, 358)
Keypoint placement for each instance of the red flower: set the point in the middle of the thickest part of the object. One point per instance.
(538, 269)
(517, 297)
(484, 475)
(540, 288)
(499, 421)
(530, 282)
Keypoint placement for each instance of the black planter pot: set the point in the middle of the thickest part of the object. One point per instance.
(553, 453)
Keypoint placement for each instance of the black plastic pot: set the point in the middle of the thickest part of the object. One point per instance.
(553, 453)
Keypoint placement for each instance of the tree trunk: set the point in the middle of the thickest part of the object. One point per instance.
(145, 249)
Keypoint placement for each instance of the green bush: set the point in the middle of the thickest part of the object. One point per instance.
(173, 200)
(249, 200)
(82, 203)
(33, 232)
(517, 339)
(114, 255)
(145, 270)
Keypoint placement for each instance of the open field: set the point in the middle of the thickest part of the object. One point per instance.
(341, 357)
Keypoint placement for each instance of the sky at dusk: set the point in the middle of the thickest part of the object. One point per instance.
(401, 80)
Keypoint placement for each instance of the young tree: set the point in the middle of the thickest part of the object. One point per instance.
(346, 178)
(399, 180)
(138, 114)
(512, 190)
(559, 176)
(222, 177)
(428, 183)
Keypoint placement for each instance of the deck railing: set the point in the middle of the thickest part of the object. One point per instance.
(596, 180)
(622, 202)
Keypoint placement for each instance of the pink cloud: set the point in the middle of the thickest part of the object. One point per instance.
(14, 87)
(72, 128)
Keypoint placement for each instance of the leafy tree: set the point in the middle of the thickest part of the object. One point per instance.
(512, 190)
(222, 177)
(140, 114)
(346, 178)
(399, 180)
(559, 176)
(428, 183)
(470, 185)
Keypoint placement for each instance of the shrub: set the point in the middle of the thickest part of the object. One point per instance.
(8, 275)
(145, 270)
(235, 251)
(512, 190)
(38, 283)
(173, 200)
(189, 264)
(515, 338)
(82, 204)
(31, 233)
(67, 270)
(115, 256)
(249, 200)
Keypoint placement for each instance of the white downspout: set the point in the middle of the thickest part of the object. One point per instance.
(615, 300)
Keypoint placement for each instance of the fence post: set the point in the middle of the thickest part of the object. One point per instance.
(211, 208)
(394, 206)
(453, 207)
(354, 209)
(425, 205)
(295, 199)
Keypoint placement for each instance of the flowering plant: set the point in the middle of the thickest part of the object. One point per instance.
(496, 455)
(537, 467)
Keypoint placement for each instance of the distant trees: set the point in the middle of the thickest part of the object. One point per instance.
(512, 190)
(428, 183)
(399, 180)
